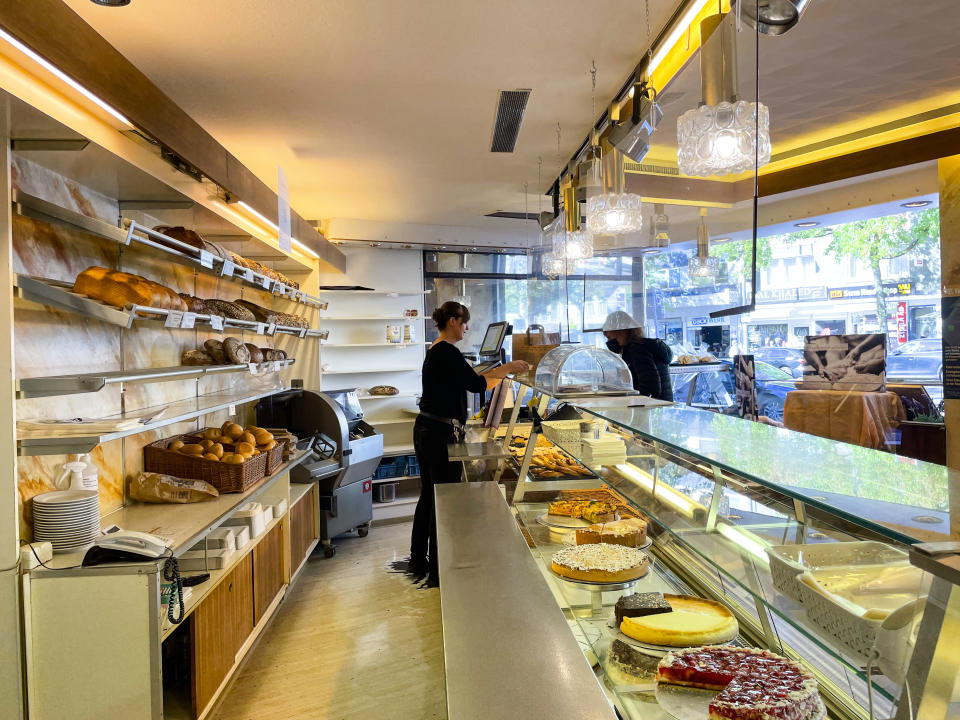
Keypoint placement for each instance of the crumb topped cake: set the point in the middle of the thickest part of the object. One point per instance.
(601, 563)
(625, 665)
(754, 684)
(631, 532)
(592, 511)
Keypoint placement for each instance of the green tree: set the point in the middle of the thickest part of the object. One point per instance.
(874, 240)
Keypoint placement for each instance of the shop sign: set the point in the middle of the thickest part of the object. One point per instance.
(835, 294)
(697, 321)
(901, 322)
(778, 295)
(904, 288)
(818, 292)
(950, 311)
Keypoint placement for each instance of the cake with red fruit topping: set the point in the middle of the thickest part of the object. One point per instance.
(754, 684)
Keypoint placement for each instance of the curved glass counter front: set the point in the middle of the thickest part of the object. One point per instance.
(739, 511)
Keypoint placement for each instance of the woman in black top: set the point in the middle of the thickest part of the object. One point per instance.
(447, 378)
(648, 358)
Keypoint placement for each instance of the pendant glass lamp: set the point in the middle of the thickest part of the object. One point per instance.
(702, 265)
(614, 212)
(720, 136)
(572, 241)
(659, 229)
(552, 265)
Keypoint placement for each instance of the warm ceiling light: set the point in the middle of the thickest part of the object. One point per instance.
(614, 212)
(679, 30)
(807, 224)
(702, 265)
(659, 229)
(632, 136)
(64, 77)
(718, 137)
(269, 223)
(720, 240)
(303, 248)
(111, 3)
(775, 17)
(572, 241)
(915, 204)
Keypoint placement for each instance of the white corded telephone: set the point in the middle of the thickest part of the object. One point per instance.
(139, 543)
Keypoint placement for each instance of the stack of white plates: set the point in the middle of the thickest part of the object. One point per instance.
(68, 519)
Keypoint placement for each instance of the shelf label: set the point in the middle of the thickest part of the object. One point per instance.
(174, 318)
(276, 365)
(279, 289)
(232, 410)
(248, 274)
(216, 322)
(271, 329)
(265, 282)
(303, 332)
(188, 321)
(206, 259)
(254, 368)
(298, 296)
(261, 329)
(228, 268)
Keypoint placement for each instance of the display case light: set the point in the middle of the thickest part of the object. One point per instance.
(50, 67)
(675, 499)
(746, 541)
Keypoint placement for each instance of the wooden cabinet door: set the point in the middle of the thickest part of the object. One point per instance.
(268, 574)
(304, 527)
(218, 628)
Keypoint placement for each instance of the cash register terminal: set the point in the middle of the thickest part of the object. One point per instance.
(491, 350)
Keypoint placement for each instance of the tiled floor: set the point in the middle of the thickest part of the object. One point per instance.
(351, 640)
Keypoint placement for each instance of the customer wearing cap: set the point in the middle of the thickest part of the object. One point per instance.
(648, 358)
(447, 378)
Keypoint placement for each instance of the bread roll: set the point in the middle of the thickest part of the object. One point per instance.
(236, 351)
(206, 444)
(192, 449)
(215, 349)
(267, 446)
(217, 449)
(212, 434)
(262, 437)
(233, 431)
(197, 357)
(233, 459)
(175, 445)
(248, 438)
(256, 356)
(211, 456)
(244, 448)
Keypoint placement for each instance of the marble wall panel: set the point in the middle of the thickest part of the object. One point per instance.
(52, 187)
(56, 251)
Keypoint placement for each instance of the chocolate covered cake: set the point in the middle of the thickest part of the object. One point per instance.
(640, 604)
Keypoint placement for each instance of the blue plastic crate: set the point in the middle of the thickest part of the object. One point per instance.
(413, 466)
(391, 467)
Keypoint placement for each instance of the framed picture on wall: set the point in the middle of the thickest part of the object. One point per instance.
(845, 362)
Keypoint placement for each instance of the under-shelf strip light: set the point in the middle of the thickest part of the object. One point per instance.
(303, 248)
(679, 29)
(50, 67)
(677, 500)
(745, 541)
(270, 224)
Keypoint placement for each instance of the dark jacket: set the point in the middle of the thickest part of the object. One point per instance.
(649, 363)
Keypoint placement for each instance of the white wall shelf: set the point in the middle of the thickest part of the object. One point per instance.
(370, 370)
(377, 344)
(369, 317)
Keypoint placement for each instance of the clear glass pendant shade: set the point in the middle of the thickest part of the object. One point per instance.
(553, 265)
(614, 213)
(704, 267)
(721, 139)
(573, 245)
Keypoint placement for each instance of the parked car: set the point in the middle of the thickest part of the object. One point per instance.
(788, 359)
(716, 389)
(917, 361)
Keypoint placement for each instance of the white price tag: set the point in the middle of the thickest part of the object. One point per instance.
(206, 259)
(254, 368)
(298, 295)
(271, 329)
(276, 365)
(303, 332)
(279, 289)
(248, 274)
(174, 318)
(228, 268)
(188, 320)
(265, 282)
(216, 322)
(232, 410)
(261, 329)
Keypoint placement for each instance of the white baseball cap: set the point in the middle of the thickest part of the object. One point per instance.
(619, 320)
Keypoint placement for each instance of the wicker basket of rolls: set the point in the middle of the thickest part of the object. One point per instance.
(231, 458)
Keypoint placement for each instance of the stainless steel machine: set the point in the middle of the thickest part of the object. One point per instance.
(345, 454)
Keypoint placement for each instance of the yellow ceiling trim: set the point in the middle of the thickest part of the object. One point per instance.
(685, 47)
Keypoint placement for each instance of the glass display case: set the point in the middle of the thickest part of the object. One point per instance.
(825, 552)
(580, 370)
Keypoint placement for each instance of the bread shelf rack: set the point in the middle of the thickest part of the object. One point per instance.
(94, 382)
(60, 295)
(366, 371)
(38, 443)
(32, 206)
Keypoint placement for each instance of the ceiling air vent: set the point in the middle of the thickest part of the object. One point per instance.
(510, 109)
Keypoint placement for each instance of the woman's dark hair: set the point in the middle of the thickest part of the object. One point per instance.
(635, 335)
(450, 310)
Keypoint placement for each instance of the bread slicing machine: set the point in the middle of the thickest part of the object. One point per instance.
(345, 452)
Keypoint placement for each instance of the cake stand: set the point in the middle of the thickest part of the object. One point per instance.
(596, 589)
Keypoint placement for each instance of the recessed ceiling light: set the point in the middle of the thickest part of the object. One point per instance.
(111, 3)
(915, 203)
(809, 223)
(720, 240)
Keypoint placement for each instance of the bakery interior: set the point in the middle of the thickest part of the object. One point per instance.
(228, 227)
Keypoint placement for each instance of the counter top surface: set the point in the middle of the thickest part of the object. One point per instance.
(508, 650)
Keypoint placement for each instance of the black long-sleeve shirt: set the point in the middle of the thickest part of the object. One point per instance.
(447, 378)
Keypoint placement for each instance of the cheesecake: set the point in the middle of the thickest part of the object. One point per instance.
(692, 621)
(641, 605)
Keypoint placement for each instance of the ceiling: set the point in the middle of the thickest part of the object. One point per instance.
(384, 110)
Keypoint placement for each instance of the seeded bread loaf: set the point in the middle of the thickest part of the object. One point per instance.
(229, 310)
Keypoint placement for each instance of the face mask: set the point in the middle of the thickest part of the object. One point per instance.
(613, 345)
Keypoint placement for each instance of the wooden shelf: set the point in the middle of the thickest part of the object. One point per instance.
(298, 491)
(93, 382)
(38, 443)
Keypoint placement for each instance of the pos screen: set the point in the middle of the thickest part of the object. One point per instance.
(493, 339)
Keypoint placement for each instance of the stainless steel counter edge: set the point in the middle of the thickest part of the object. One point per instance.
(507, 648)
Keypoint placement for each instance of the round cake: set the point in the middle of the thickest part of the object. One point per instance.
(601, 562)
(754, 684)
(692, 621)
